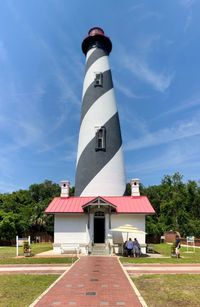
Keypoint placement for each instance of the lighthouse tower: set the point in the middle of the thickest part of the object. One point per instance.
(100, 165)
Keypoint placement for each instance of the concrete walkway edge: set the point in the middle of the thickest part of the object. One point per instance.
(142, 301)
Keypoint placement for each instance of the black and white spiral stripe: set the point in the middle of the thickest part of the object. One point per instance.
(99, 172)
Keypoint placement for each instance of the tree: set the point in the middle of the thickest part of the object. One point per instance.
(8, 225)
(177, 207)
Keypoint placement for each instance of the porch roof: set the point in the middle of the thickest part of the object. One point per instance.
(123, 204)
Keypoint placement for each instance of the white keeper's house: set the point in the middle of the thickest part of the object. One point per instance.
(99, 218)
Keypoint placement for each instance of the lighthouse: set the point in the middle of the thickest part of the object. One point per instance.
(87, 221)
(100, 164)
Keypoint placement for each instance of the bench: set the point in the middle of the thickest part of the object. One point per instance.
(150, 249)
(69, 248)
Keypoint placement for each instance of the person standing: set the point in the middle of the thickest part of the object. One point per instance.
(129, 246)
(137, 248)
(177, 246)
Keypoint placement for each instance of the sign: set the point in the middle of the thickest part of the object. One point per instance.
(190, 239)
(20, 242)
(190, 242)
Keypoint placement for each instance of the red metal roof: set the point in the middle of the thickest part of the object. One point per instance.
(123, 204)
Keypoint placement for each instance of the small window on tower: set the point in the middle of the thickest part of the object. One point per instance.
(98, 81)
(100, 139)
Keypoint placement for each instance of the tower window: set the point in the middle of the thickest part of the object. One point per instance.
(98, 81)
(100, 139)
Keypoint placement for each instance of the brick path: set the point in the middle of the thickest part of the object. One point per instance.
(91, 282)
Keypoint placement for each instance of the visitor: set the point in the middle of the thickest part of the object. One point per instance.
(125, 252)
(177, 246)
(129, 246)
(136, 248)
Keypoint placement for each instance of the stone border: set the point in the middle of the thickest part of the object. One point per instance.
(142, 301)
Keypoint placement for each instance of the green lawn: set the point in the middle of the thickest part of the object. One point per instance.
(22, 290)
(169, 290)
(8, 255)
(36, 248)
(165, 250)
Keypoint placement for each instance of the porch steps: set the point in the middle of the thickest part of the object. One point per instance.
(100, 249)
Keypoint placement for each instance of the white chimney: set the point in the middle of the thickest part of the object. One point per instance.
(135, 187)
(65, 185)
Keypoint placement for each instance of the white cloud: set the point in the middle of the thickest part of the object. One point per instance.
(183, 156)
(126, 90)
(181, 130)
(149, 14)
(187, 104)
(188, 21)
(187, 3)
(159, 80)
(136, 7)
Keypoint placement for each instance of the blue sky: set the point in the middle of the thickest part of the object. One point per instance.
(156, 74)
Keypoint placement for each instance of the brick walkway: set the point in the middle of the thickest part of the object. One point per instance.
(91, 282)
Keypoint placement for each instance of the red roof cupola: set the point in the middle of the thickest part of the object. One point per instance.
(95, 31)
(96, 37)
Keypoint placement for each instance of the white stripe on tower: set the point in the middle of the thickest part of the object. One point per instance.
(100, 166)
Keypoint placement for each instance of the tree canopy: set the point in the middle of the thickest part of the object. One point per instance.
(177, 206)
(22, 212)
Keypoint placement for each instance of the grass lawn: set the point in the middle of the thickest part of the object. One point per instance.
(22, 290)
(169, 290)
(8, 254)
(165, 250)
(36, 248)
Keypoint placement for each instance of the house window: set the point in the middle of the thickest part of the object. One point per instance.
(100, 139)
(99, 213)
(98, 81)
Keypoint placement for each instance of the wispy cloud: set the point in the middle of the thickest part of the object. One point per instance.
(136, 7)
(188, 104)
(184, 155)
(127, 91)
(149, 14)
(141, 69)
(188, 21)
(52, 146)
(187, 3)
(181, 130)
(188, 6)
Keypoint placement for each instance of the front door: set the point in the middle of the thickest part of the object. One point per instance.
(99, 229)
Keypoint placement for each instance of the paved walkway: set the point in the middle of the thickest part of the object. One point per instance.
(95, 281)
(92, 281)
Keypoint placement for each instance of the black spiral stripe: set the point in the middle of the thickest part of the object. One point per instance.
(92, 95)
(97, 54)
(91, 162)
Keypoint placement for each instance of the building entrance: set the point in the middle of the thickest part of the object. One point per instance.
(99, 228)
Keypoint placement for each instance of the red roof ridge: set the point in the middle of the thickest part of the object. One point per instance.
(103, 197)
(123, 204)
